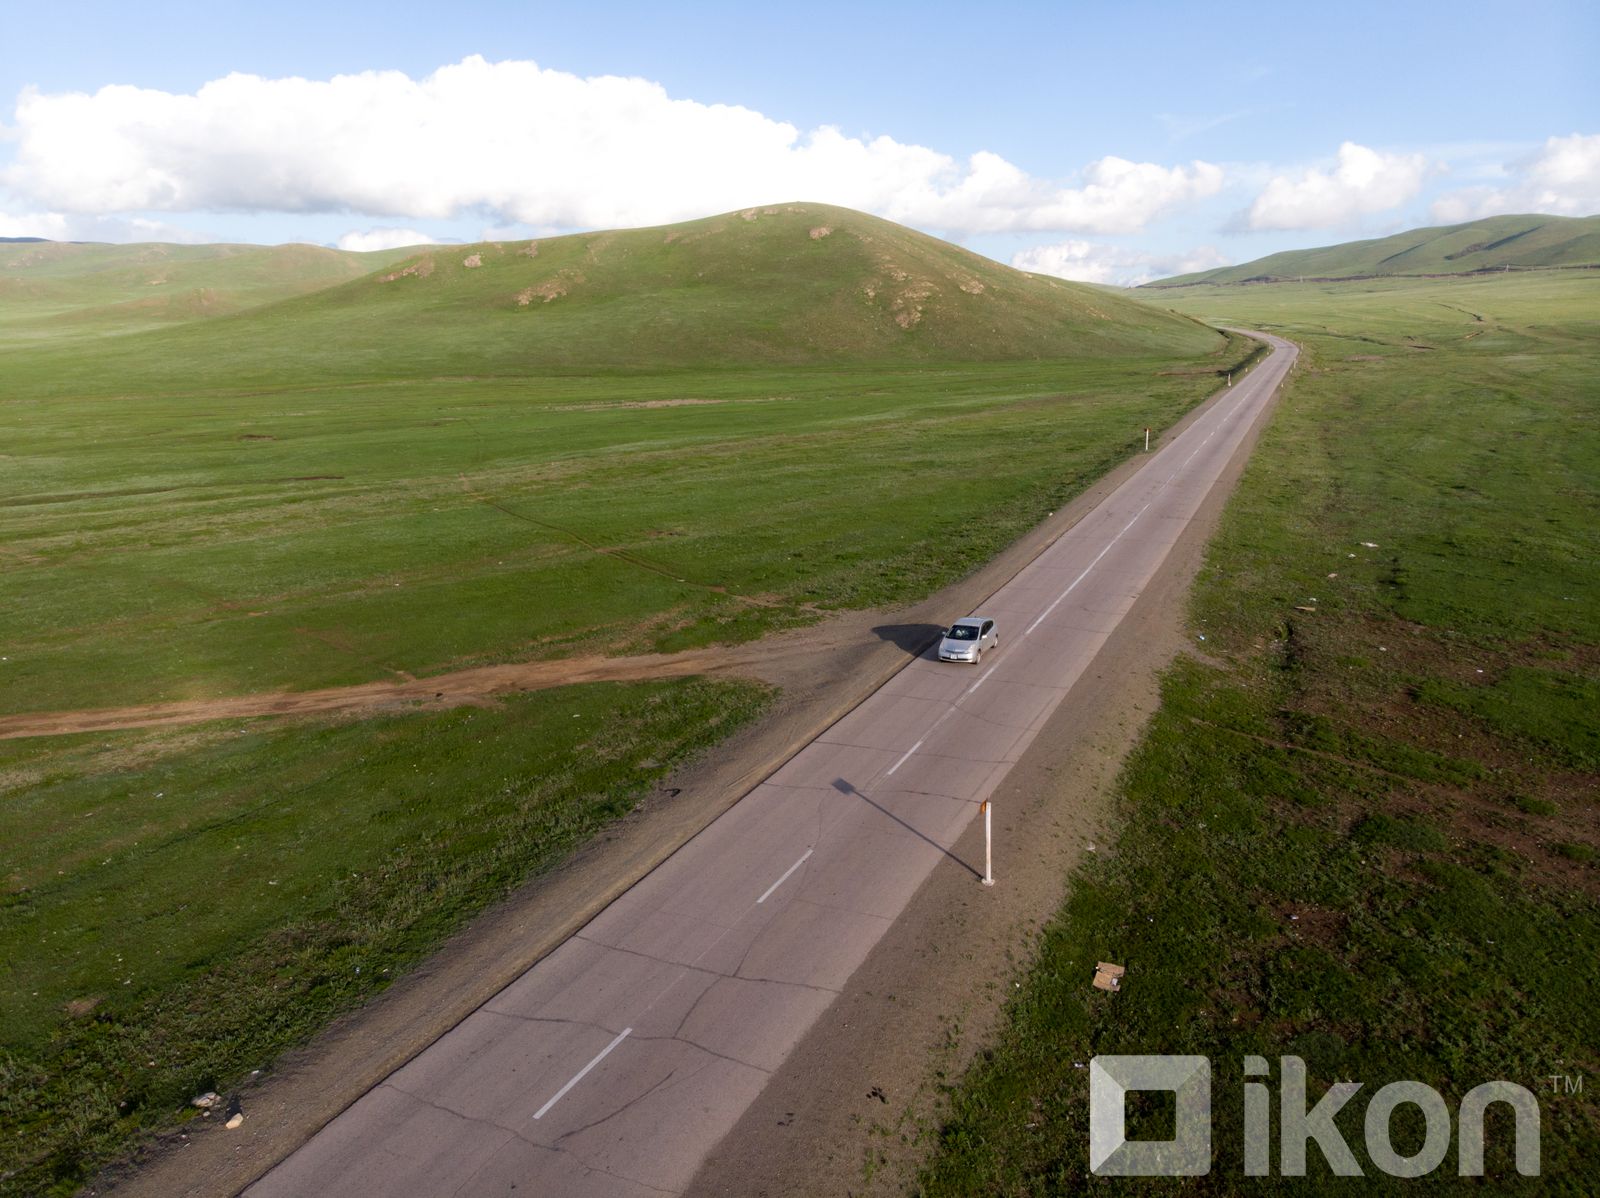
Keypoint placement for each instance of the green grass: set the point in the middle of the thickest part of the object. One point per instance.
(710, 294)
(424, 526)
(714, 432)
(1341, 840)
(50, 291)
(1494, 243)
(418, 473)
(181, 906)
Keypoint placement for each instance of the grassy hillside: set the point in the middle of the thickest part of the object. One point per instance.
(1496, 243)
(798, 284)
(1363, 827)
(51, 290)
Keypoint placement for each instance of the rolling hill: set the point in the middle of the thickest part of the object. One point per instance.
(789, 285)
(54, 289)
(1495, 243)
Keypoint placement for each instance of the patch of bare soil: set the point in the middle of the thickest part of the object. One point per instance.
(551, 289)
(419, 269)
(641, 403)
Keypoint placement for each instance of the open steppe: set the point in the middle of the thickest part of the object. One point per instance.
(699, 436)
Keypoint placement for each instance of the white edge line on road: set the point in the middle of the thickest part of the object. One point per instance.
(579, 1076)
(768, 893)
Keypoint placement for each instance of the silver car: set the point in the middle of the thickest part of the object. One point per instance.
(967, 638)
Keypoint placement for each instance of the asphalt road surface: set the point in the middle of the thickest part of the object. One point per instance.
(615, 1064)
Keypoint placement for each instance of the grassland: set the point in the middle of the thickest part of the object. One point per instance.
(54, 291)
(415, 473)
(401, 474)
(1503, 243)
(227, 544)
(1362, 827)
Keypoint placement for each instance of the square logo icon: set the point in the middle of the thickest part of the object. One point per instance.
(1112, 1154)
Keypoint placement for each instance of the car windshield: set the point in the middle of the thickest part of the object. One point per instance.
(964, 632)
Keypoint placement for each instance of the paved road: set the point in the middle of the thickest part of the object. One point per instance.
(616, 1064)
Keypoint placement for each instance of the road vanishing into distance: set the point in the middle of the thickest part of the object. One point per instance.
(615, 1064)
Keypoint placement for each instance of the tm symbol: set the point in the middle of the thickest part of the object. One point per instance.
(1561, 1083)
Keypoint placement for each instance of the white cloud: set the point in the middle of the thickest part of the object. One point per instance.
(519, 144)
(67, 226)
(1089, 262)
(1562, 177)
(1363, 182)
(383, 239)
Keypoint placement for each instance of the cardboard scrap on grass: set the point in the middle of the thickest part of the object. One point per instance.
(1108, 976)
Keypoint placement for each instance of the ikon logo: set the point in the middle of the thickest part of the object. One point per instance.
(1188, 1153)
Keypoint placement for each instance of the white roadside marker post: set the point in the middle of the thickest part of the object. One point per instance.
(1147, 440)
(988, 856)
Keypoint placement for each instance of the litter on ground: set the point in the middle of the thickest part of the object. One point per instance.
(1108, 976)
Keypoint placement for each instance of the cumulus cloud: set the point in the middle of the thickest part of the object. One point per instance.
(1363, 182)
(383, 239)
(1562, 177)
(1091, 262)
(65, 226)
(520, 144)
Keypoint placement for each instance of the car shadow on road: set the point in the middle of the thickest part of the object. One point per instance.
(847, 788)
(914, 639)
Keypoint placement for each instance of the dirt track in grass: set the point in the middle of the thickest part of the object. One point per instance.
(475, 685)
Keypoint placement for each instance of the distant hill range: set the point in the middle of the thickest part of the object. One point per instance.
(50, 289)
(1496, 243)
(782, 284)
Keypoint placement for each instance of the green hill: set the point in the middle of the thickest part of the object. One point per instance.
(54, 289)
(794, 284)
(1495, 243)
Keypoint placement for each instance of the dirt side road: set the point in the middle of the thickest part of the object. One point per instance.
(825, 671)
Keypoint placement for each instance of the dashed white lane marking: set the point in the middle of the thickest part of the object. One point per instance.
(984, 678)
(579, 1076)
(904, 757)
(1071, 586)
(768, 892)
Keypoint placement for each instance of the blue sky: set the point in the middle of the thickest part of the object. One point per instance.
(1111, 141)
